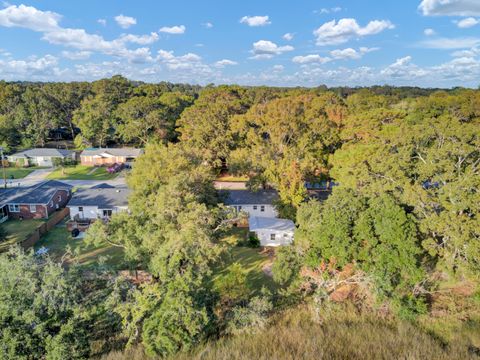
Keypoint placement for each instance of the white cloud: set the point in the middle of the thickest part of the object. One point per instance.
(125, 21)
(429, 32)
(255, 20)
(467, 53)
(467, 22)
(288, 36)
(174, 30)
(139, 39)
(350, 53)
(76, 55)
(43, 68)
(308, 59)
(328, 11)
(450, 43)
(225, 62)
(265, 49)
(403, 68)
(173, 62)
(333, 32)
(102, 22)
(207, 25)
(29, 17)
(450, 7)
(278, 68)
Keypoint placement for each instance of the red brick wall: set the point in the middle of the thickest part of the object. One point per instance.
(60, 198)
(85, 160)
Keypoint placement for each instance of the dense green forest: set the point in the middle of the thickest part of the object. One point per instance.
(393, 251)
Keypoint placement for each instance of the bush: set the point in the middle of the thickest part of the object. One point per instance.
(253, 241)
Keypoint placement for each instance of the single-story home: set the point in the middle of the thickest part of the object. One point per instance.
(109, 156)
(272, 231)
(34, 202)
(40, 156)
(98, 202)
(254, 203)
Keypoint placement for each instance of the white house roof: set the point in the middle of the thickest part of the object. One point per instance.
(257, 223)
(110, 152)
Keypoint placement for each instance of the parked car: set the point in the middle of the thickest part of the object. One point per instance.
(115, 168)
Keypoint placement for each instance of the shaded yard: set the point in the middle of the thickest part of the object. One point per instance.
(59, 240)
(81, 172)
(252, 261)
(17, 230)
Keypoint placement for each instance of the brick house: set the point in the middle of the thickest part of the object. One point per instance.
(34, 202)
(109, 156)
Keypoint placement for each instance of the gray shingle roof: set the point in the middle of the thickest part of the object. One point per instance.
(37, 194)
(247, 197)
(103, 197)
(127, 152)
(45, 152)
(257, 223)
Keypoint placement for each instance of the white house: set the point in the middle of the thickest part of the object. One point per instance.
(272, 231)
(98, 202)
(254, 203)
(41, 156)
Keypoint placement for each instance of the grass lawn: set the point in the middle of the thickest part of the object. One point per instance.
(81, 172)
(58, 240)
(18, 173)
(252, 261)
(230, 178)
(17, 230)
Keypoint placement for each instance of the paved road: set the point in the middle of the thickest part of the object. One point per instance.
(40, 175)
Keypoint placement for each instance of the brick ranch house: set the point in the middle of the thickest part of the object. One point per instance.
(109, 156)
(34, 202)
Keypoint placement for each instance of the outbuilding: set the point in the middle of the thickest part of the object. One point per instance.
(272, 231)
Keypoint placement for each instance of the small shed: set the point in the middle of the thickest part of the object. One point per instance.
(272, 231)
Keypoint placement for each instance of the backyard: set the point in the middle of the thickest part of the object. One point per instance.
(254, 262)
(81, 172)
(17, 230)
(58, 241)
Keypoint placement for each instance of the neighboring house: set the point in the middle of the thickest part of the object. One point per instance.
(271, 231)
(40, 156)
(254, 203)
(98, 202)
(33, 202)
(108, 156)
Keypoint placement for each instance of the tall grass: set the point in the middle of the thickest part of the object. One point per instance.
(341, 335)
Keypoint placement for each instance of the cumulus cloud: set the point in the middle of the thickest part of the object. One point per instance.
(43, 68)
(265, 49)
(429, 32)
(225, 62)
(125, 21)
(450, 43)
(467, 22)
(29, 17)
(76, 55)
(403, 68)
(333, 32)
(450, 7)
(255, 20)
(174, 30)
(102, 22)
(288, 36)
(140, 39)
(328, 10)
(309, 59)
(350, 53)
(173, 62)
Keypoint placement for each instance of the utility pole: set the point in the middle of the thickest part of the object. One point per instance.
(3, 167)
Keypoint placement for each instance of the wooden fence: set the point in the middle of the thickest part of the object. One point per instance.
(35, 236)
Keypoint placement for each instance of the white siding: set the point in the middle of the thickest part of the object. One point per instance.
(281, 237)
(256, 210)
(92, 212)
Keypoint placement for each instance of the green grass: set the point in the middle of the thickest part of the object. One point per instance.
(251, 260)
(17, 230)
(59, 241)
(81, 172)
(17, 173)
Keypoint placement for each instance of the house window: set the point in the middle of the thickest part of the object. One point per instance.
(107, 213)
(272, 237)
(80, 208)
(14, 208)
(262, 208)
(255, 207)
(33, 208)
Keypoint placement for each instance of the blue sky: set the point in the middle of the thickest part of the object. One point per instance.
(287, 43)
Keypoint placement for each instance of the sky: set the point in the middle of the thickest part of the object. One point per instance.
(428, 43)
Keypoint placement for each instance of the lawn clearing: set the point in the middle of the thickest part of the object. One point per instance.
(16, 173)
(252, 260)
(59, 240)
(81, 172)
(18, 230)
